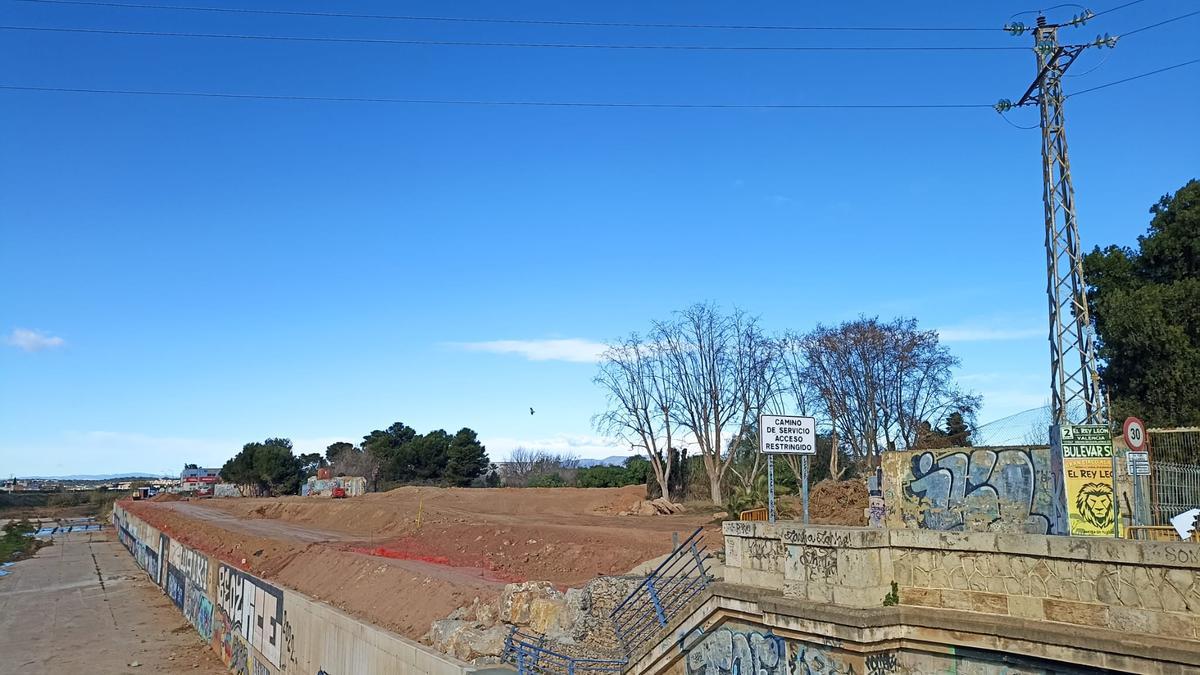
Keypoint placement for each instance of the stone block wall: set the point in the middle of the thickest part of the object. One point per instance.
(1151, 588)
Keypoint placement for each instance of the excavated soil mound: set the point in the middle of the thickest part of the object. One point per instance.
(166, 497)
(405, 557)
(838, 503)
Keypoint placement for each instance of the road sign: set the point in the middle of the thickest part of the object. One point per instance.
(1138, 462)
(787, 435)
(1135, 434)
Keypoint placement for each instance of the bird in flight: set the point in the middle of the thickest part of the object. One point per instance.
(531, 411)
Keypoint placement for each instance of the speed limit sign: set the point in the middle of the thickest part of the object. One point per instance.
(1135, 434)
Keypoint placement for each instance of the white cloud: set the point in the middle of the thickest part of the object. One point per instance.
(575, 350)
(32, 340)
(987, 334)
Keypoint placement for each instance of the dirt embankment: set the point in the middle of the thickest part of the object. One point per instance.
(404, 558)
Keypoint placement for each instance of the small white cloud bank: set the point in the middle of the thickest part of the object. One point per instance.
(574, 350)
(32, 340)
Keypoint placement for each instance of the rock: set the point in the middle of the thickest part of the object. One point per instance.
(490, 642)
(441, 632)
(487, 614)
(517, 600)
(544, 614)
(576, 605)
(722, 515)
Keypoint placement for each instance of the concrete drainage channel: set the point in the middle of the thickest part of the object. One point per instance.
(264, 629)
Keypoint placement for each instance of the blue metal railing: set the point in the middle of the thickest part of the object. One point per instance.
(665, 591)
(529, 654)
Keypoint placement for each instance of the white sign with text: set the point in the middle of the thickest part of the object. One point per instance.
(787, 435)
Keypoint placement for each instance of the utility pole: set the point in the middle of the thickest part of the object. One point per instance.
(1074, 379)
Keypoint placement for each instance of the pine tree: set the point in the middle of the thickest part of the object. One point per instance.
(466, 459)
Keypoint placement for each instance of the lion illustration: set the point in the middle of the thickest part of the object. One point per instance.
(1095, 504)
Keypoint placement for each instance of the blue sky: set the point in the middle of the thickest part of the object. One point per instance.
(181, 275)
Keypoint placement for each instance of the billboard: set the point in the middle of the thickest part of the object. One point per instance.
(1088, 478)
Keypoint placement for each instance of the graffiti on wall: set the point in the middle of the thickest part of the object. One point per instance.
(176, 585)
(255, 608)
(1007, 489)
(198, 609)
(729, 652)
(818, 660)
(193, 564)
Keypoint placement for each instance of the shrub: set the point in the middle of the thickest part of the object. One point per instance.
(546, 480)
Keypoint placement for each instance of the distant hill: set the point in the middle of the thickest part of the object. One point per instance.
(111, 476)
(615, 460)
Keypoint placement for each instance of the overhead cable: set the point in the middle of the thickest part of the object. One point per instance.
(476, 102)
(1160, 23)
(1134, 77)
(542, 45)
(464, 19)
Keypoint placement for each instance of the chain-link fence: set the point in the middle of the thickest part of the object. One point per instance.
(1174, 472)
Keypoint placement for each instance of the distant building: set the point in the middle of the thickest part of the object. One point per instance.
(193, 478)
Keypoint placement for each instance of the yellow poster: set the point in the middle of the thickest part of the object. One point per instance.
(1087, 452)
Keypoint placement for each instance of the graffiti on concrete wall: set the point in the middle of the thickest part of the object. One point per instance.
(176, 585)
(1006, 489)
(729, 652)
(193, 564)
(289, 639)
(260, 669)
(255, 609)
(812, 563)
(198, 609)
(818, 660)
(881, 663)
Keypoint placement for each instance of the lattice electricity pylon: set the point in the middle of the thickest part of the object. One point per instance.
(1074, 380)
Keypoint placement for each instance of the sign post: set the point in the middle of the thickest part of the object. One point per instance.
(804, 484)
(1089, 476)
(1137, 461)
(786, 435)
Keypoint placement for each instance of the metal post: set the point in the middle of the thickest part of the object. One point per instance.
(804, 485)
(658, 608)
(1136, 518)
(771, 487)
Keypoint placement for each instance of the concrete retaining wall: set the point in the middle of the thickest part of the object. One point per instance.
(259, 628)
(1150, 588)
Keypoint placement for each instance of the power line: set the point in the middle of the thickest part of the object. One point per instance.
(1134, 77)
(558, 104)
(1113, 9)
(1160, 23)
(537, 22)
(475, 102)
(543, 45)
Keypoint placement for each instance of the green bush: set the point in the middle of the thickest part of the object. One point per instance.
(605, 476)
(546, 480)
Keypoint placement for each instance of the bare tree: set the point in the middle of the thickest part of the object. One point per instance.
(724, 372)
(523, 464)
(879, 381)
(760, 384)
(804, 399)
(641, 399)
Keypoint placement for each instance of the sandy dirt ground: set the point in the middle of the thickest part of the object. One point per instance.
(83, 606)
(405, 558)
